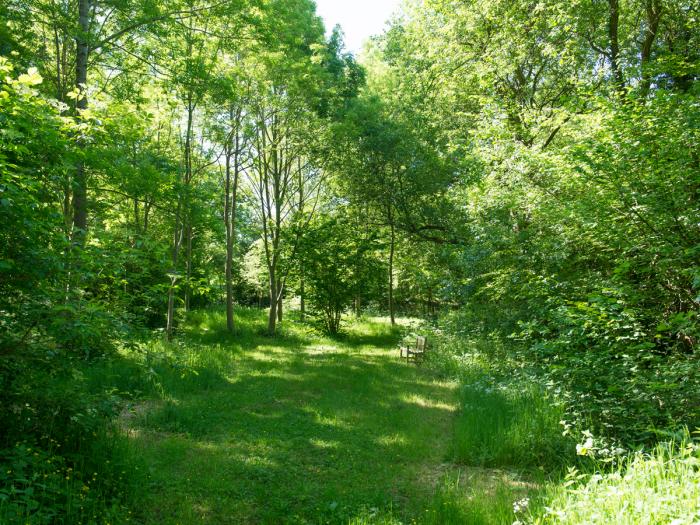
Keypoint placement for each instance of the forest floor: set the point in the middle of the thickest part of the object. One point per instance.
(294, 429)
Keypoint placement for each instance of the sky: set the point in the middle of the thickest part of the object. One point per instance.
(360, 19)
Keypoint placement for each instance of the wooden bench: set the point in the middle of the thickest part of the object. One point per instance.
(415, 353)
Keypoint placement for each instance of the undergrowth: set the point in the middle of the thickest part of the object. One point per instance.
(511, 419)
(659, 487)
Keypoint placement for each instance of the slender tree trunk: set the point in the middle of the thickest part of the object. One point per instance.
(302, 294)
(272, 314)
(229, 245)
(81, 71)
(146, 211)
(171, 311)
(187, 211)
(653, 14)
(137, 216)
(188, 266)
(392, 313)
(280, 294)
(177, 240)
(230, 219)
(59, 74)
(302, 291)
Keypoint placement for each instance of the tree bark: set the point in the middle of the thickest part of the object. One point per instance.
(302, 294)
(177, 241)
(392, 313)
(302, 291)
(280, 295)
(81, 69)
(188, 265)
(231, 191)
(229, 258)
(187, 212)
(653, 15)
(272, 314)
(613, 36)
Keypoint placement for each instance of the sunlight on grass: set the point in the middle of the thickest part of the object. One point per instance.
(648, 489)
(392, 439)
(479, 500)
(422, 401)
(301, 428)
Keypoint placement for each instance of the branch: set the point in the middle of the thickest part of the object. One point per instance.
(153, 20)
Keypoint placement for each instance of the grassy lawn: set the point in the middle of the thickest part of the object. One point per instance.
(294, 429)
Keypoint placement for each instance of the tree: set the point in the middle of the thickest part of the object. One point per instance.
(336, 263)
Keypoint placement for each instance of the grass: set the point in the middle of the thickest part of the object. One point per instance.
(304, 429)
(509, 425)
(300, 428)
(662, 487)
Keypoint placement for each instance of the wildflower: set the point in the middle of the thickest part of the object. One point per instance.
(586, 448)
(521, 505)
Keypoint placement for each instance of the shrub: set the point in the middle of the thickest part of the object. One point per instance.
(617, 375)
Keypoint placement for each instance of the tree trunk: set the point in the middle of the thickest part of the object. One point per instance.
(280, 294)
(146, 211)
(230, 212)
(229, 245)
(653, 14)
(302, 298)
(171, 311)
(302, 295)
(188, 266)
(272, 314)
(392, 313)
(81, 70)
(613, 36)
(177, 240)
(137, 216)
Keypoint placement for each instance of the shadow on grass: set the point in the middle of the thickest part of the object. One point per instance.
(292, 430)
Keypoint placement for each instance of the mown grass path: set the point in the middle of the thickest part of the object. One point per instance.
(296, 429)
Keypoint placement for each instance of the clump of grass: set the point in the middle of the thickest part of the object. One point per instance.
(661, 487)
(476, 502)
(482, 498)
(508, 424)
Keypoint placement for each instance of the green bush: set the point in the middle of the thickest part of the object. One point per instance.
(87, 330)
(43, 485)
(61, 460)
(618, 376)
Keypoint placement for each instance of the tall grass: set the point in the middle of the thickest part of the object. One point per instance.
(661, 487)
(502, 425)
(505, 421)
(511, 422)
